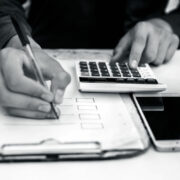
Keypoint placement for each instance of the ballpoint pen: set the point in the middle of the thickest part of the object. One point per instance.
(27, 46)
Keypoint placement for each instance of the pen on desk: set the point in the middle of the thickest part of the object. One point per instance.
(26, 43)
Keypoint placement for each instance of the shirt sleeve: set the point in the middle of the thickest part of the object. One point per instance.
(145, 10)
(10, 8)
(173, 19)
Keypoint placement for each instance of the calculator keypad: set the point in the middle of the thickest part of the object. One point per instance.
(118, 72)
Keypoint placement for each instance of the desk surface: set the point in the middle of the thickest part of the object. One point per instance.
(151, 165)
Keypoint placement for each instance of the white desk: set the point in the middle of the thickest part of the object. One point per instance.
(151, 165)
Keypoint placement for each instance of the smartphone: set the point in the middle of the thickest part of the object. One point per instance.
(161, 117)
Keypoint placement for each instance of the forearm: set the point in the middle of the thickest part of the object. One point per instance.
(11, 8)
(15, 42)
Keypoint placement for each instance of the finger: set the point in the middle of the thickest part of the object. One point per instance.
(21, 101)
(121, 48)
(138, 46)
(53, 70)
(59, 78)
(151, 49)
(17, 82)
(172, 48)
(58, 86)
(162, 50)
(11, 99)
(30, 114)
(3, 99)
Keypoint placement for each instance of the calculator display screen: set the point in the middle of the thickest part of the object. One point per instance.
(164, 122)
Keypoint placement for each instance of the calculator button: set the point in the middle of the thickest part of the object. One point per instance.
(115, 71)
(95, 74)
(94, 69)
(83, 66)
(113, 66)
(84, 70)
(130, 80)
(151, 81)
(103, 67)
(105, 74)
(116, 74)
(125, 71)
(93, 66)
(140, 80)
(134, 71)
(84, 74)
(126, 75)
(92, 63)
(104, 70)
(136, 75)
(102, 64)
(83, 63)
(120, 80)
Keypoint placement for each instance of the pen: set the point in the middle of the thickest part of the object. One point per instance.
(26, 44)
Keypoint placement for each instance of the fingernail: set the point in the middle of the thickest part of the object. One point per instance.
(134, 64)
(47, 97)
(59, 96)
(44, 108)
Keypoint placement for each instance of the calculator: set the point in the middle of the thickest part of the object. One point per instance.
(101, 76)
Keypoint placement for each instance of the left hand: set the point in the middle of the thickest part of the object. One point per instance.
(151, 41)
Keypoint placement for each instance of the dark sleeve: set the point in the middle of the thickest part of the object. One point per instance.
(173, 19)
(141, 10)
(11, 8)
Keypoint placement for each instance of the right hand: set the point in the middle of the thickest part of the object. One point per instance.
(20, 94)
(152, 41)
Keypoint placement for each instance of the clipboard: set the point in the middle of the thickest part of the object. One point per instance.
(48, 147)
(42, 151)
(92, 126)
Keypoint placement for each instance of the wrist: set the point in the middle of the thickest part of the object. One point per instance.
(160, 23)
(16, 43)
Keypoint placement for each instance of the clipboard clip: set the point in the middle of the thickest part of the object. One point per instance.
(51, 147)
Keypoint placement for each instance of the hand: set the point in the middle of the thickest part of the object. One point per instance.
(148, 42)
(20, 94)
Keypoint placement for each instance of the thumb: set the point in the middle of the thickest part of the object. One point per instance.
(59, 84)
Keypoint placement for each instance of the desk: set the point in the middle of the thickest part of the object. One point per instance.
(151, 165)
